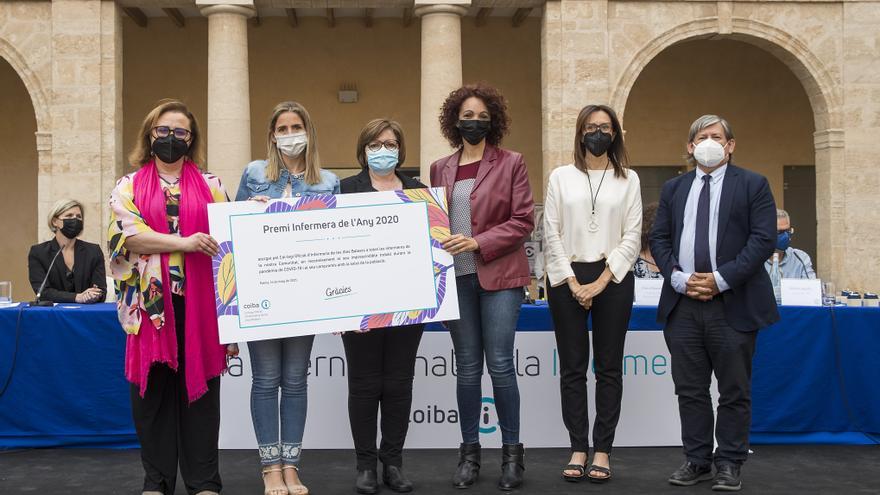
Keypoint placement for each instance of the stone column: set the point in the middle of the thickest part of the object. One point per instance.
(831, 206)
(85, 140)
(229, 99)
(854, 178)
(441, 72)
(574, 71)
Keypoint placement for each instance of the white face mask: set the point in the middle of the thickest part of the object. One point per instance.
(709, 153)
(292, 145)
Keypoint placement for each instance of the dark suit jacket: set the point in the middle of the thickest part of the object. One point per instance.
(746, 238)
(361, 183)
(502, 214)
(88, 270)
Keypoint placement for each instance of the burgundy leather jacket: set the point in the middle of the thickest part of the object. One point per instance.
(502, 214)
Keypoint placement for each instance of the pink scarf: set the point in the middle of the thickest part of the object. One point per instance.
(205, 358)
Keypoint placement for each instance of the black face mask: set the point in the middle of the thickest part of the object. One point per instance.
(597, 142)
(473, 131)
(72, 227)
(169, 149)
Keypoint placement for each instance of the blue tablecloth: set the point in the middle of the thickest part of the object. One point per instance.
(814, 379)
(68, 386)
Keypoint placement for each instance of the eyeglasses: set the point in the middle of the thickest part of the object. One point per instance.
(606, 128)
(390, 145)
(161, 131)
(790, 230)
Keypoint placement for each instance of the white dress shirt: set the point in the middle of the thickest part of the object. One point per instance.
(567, 215)
(688, 233)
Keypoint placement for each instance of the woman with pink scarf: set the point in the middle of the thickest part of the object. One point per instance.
(160, 257)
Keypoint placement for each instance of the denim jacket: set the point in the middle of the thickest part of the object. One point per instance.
(254, 183)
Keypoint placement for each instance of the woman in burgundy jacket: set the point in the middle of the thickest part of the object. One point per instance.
(491, 214)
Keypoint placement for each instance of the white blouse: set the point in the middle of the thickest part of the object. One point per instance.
(568, 215)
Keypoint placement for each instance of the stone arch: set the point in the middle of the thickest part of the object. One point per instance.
(816, 79)
(39, 99)
(825, 98)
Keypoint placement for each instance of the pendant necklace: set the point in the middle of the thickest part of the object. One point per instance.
(593, 226)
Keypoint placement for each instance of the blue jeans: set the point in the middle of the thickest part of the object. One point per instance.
(280, 363)
(487, 327)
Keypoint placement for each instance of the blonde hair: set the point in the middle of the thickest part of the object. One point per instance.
(60, 207)
(142, 152)
(275, 163)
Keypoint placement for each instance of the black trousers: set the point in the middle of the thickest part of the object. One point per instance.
(171, 431)
(701, 342)
(610, 313)
(381, 365)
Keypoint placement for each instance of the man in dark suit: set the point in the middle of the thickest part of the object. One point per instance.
(714, 229)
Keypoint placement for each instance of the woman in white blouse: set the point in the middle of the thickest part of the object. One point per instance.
(592, 230)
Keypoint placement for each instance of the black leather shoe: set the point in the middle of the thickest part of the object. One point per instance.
(727, 479)
(468, 470)
(394, 478)
(512, 467)
(690, 474)
(367, 482)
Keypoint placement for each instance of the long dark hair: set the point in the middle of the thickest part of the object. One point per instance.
(617, 151)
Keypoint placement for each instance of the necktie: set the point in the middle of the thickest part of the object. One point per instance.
(702, 259)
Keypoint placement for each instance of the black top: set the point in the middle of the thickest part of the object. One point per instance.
(361, 183)
(63, 285)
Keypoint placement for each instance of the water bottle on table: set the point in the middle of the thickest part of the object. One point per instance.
(5, 293)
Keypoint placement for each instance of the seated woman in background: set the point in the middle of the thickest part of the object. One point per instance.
(645, 267)
(79, 275)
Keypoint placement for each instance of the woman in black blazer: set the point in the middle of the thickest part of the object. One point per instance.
(78, 273)
(381, 361)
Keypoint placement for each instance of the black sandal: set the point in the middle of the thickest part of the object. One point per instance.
(580, 468)
(599, 469)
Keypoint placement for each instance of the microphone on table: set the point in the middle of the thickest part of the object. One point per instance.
(803, 265)
(37, 301)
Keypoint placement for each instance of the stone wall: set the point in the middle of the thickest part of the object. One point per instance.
(594, 50)
(86, 108)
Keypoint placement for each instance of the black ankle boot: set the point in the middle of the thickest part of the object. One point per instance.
(468, 465)
(512, 466)
(367, 482)
(394, 478)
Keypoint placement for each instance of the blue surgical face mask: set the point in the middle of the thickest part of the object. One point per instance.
(783, 240)
(382, 162)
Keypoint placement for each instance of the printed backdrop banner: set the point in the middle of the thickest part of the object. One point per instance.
(649, 416)
(326, 263)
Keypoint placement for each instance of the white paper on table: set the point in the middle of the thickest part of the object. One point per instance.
(648, 291)
(801, 292)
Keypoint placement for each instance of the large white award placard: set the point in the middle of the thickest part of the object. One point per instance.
(328, 263)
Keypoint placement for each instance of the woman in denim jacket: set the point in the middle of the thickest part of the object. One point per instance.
(292, 169)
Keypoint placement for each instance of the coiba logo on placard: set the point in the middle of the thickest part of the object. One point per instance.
(264, 304)
(488, 416)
